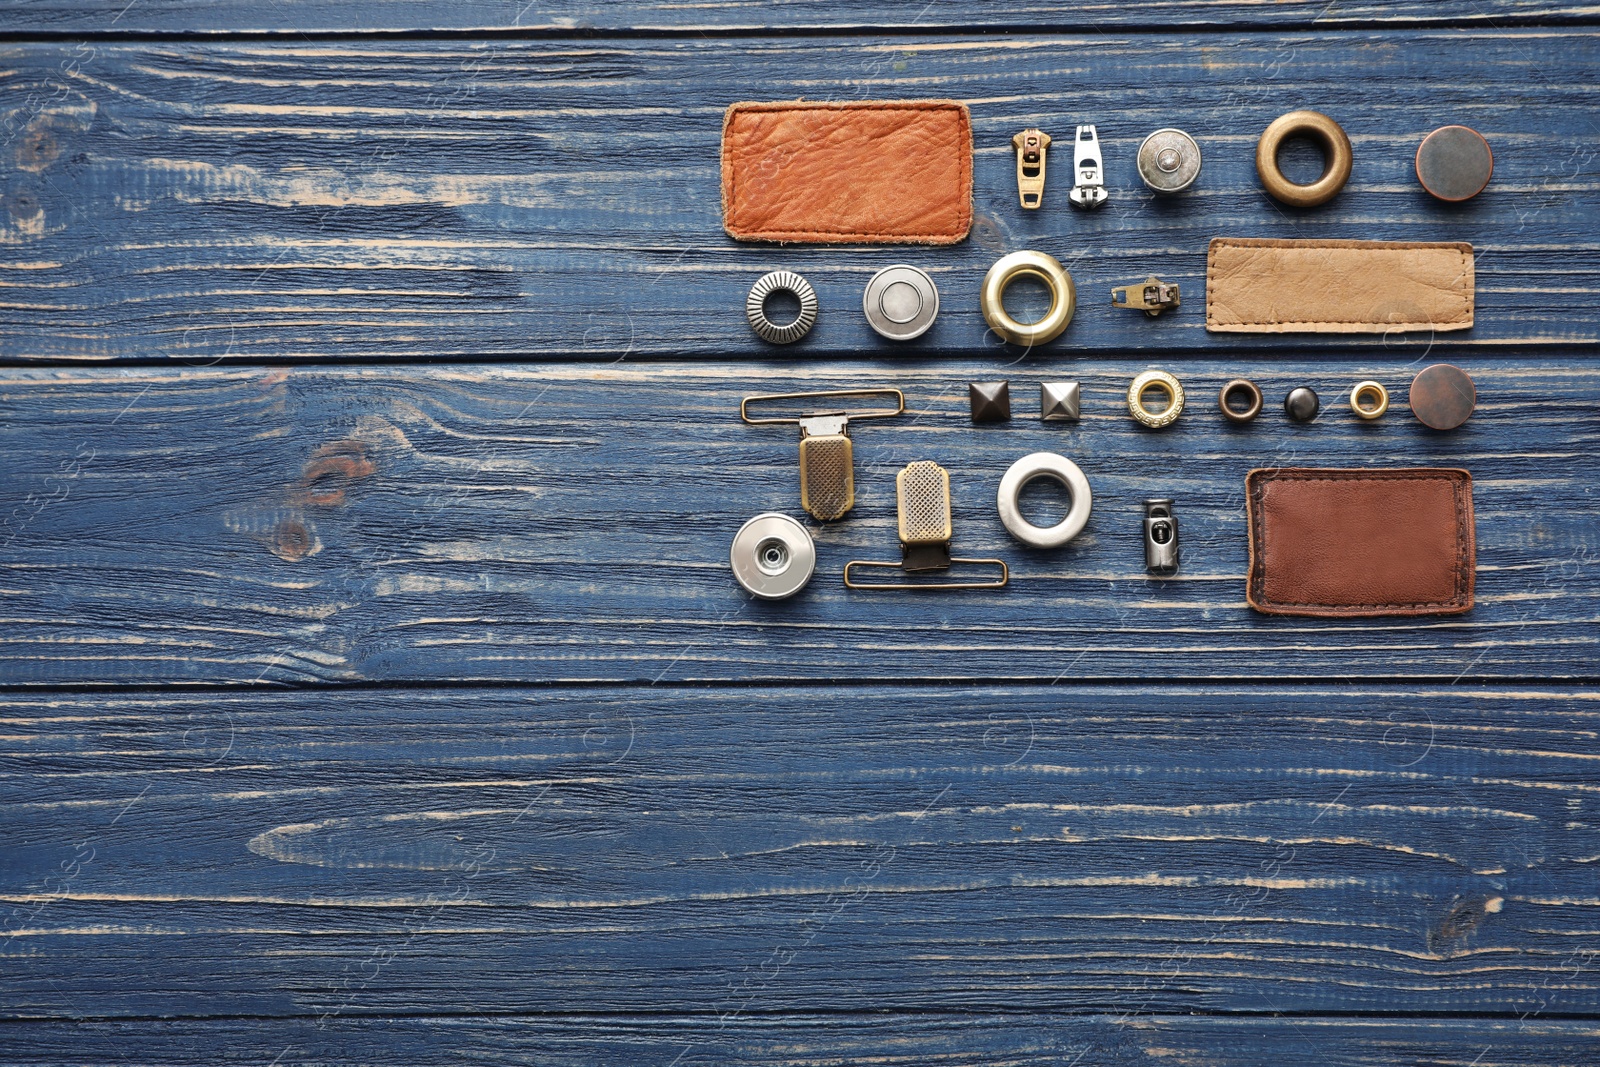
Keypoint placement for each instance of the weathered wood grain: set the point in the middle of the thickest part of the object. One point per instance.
(505, 198)
(821, 1040)
(579, 16)
(1338, 848)
(573, 522)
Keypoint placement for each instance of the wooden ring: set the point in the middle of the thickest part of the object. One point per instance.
(1336, 151)
(1155, 379)
(1251, 390)
(1376, 395)
(1063, 297)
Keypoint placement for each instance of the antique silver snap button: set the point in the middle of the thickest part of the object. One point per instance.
(781, 281)
(1169, 161)
(773, 556)
(901, 302)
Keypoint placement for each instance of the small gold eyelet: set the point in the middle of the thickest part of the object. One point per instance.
(1166, 383)
(1369, 400)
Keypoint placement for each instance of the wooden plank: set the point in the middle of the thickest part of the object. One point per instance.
(821, 1040)
(1139, 849)
(275, 202)
(571, 522)
(587, 16)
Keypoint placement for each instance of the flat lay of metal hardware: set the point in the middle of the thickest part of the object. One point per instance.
(1032, 147)
(827, 456)
(922, 494)
(378, 688)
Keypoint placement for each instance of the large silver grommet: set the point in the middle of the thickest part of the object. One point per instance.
(1169, 161)
(901, 302)
(781, 281)
(1046, 268)
(773, 556)
(1058, 469)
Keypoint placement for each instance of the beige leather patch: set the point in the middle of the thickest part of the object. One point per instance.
(855, 172)
(1261, 285)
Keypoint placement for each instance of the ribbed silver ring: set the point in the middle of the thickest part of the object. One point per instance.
(781, 281)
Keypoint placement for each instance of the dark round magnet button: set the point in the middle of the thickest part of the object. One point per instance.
(1443, 396)
(1302, 404)
(1454, 163)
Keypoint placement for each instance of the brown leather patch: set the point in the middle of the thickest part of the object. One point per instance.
(1360, 543)
(863, 172)
(1263, 285)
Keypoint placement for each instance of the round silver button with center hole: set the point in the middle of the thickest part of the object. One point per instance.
(901, 302)
(1058, 469)
(773, 556)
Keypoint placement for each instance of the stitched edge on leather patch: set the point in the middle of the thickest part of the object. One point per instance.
(959, 198)
(1267, 285)
(1463, 567)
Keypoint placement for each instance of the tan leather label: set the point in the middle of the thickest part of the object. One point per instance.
(1261, 285)
(858, 172)
(1360, 543)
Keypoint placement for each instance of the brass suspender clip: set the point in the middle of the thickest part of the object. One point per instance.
(923, 492)
(827, 458)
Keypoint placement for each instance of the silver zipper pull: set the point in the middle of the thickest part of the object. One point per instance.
(1090, 190)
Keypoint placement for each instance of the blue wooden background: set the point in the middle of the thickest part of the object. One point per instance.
(373, 686)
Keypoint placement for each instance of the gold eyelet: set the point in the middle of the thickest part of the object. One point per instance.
(1166, 383)
(1063, 298)
(1369, 400)
(1335, 145)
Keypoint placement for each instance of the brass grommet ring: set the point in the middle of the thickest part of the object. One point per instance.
(1166, 383)
(1252, 393)
(1328, 135)
(1063, 297)
(1369, 399)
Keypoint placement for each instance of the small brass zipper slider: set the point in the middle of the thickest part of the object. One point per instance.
(1031, 145)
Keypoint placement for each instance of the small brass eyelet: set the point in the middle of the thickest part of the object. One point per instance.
(1328, 135)
(1164, 382)
(1233, 388)
(1369, 400)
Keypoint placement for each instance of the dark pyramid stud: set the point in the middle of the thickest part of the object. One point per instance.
(991, 401)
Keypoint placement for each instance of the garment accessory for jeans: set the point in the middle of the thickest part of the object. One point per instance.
(773, 556)
(827, 457)
(781, 281)
(1047, 269)
(1360, 543)
(1169, 161)
(990, 401)
(1369, 400)
(900, 302)
(1060, 470)
(862, 172)
(1058, 401)
(1160, 538)
(1240, 387)
(1032, 146)
(1160, 381)
(1302, 404)
(1454, 163)
(1443, 396)
(1151, 296)
(1267, 285)
(1089, 188)
(1336, 158)
(922, 490)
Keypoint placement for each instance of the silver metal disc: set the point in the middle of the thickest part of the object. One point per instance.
(1169, 161)
(773, 556)
(781, 281)
(901, 302)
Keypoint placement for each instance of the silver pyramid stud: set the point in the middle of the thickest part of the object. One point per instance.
(1058, 401)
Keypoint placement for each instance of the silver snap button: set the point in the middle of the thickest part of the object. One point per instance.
(901, 302)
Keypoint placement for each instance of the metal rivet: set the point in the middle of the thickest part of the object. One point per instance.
(1454, 163)
(1302, 404)
(773, 556)
(1443, 396)
(1169, 161)
(901, 302)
